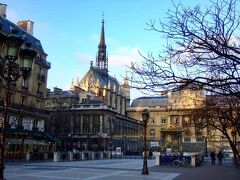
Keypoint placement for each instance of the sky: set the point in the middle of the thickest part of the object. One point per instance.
(69, 31)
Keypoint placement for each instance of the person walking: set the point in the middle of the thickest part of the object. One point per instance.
(213, 157)
(220, 157)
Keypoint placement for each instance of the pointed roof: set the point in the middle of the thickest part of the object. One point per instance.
(101, 79)
(102, 37)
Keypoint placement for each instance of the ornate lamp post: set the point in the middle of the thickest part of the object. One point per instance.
(145, 117)
(10, 71)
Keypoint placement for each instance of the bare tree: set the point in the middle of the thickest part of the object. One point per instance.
(202, 51)
(221, 113)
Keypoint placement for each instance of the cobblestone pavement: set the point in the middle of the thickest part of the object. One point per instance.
(117, 169)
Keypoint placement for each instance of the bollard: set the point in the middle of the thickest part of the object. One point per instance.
(157, 157)
(193, 160)
(83, 156)
(28, 156)
(56, 156)
(70, 155)
(93, 155)
(45, 156)
(109, 154)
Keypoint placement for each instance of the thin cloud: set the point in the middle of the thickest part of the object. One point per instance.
(12, 15)
(83, 57)
(124, 56)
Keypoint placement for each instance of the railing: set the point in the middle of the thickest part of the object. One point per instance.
(24, 108)
(43, 62)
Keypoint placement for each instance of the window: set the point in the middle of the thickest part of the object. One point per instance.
(40, 71)
(38, 104)
(175, 120)
(152, 121)
(11, 98)
(41, 75)
(24, 83)
(163, 121)
(100, 93)
(23, 100)
(152, 132)
(39, 88)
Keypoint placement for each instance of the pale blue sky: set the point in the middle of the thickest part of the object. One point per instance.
(69, 31)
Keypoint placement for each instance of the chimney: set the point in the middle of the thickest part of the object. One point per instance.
(3, 9)
(48, 91)
(57, 90)
(26, 26)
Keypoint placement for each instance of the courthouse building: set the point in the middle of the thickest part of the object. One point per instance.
(170, 125)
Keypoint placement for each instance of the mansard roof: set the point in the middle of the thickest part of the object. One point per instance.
(153, 101)
(7, 26)
(67, 93)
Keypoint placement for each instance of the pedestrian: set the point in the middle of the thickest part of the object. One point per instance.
(150, 154)
(213, 157)
(220, 157)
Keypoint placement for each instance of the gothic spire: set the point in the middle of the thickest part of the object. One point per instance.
(102, 60)
(102, 37)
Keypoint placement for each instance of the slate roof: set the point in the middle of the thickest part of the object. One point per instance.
(67, 93)
(6, 27)
(103, 77)
(93, 101)
(153, 101)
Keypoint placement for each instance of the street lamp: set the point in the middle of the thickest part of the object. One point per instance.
(205, 144)
(145, 117)
(233, 133)
(10, 71)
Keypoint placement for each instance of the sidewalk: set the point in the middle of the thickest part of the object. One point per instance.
(117, 169)
(204, 172)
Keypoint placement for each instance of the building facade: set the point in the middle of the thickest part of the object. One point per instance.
(27, 115)
(171, 126)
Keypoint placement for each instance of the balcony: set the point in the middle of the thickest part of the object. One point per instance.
(22, 109)
(24, 88)
(39, 93)
(43, 62)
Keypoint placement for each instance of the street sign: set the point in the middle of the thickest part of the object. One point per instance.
(118, 151)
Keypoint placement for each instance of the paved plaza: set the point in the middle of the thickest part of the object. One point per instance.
(117, 169)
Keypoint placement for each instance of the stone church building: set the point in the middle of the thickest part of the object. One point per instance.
(101, 84)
